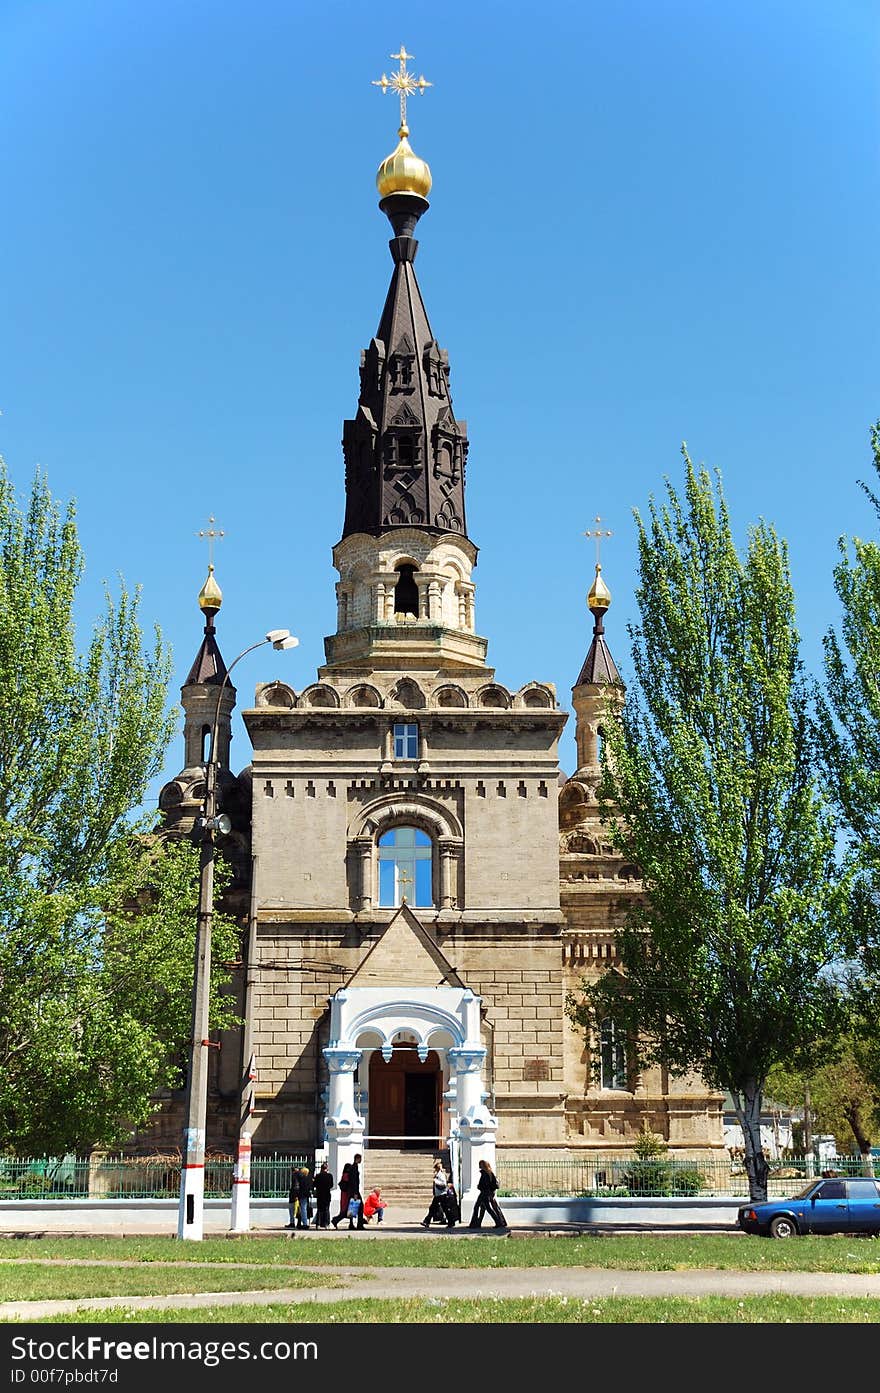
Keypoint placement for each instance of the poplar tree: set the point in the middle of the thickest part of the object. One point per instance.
(849, 721)
(92, 997)
(726, 964)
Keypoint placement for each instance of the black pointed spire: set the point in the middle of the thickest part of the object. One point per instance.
(405, 453)
(598, 665)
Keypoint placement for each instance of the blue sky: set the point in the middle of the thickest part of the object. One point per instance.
(650, 223)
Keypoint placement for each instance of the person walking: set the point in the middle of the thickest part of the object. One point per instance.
(322, 1185)
(344, 1192)
(354, 1191)
(293, 1199)
(486, 1202)
(435, 1209)
(303, 1192)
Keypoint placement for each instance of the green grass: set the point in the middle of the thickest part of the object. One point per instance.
(630, 1252)
(39, 1282)
(751, 1310)
(36, 1282)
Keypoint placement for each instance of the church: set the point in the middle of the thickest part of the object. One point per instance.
(419, 886)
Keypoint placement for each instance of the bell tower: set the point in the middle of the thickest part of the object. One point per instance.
(405, 596)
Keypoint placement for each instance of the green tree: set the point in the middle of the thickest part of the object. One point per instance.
(844, 1101)
(709, 787)
(90, 994)
(849, 722)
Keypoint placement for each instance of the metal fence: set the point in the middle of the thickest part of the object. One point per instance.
(662, 1176)
(137, 1177)
(158, 1177)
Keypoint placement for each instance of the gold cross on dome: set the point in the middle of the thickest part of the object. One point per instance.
(212, 533)
(598, 532)
(403, 81)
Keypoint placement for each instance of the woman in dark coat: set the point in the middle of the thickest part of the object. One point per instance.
(323, 1188)
(486, 1202)
(344, 1191)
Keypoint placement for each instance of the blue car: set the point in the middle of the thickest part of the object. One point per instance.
(824, 1206)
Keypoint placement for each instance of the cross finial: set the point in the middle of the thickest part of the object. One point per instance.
(404, 82)
(598, 532)
(212, 533)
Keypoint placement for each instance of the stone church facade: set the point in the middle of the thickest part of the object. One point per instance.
(418, 885)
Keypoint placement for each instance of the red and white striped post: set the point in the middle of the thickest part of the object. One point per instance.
(241, 1186)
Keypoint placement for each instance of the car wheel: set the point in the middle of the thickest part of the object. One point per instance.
(783, 1227)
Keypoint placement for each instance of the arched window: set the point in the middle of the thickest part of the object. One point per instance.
(406, 592)
(405, 868)
(613, 1051)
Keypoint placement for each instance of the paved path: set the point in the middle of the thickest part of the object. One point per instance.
(582, 1283)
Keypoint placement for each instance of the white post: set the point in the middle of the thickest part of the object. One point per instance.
(241, 1186)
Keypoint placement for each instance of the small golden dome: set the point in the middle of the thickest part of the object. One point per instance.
(403, 171)
(210, 595)
(599, 597)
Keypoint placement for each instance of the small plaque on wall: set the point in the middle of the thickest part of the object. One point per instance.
(534, 1069)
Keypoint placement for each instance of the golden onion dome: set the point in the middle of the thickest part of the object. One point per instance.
(403, 171)
(210, 595)
(599, 597)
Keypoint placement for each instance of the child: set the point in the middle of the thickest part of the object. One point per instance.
(374, 1204)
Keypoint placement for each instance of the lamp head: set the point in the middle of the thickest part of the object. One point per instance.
(281, 638)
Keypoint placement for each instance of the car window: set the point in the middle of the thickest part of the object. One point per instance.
(805, 1192)
(831, 1190)
(863, 1189)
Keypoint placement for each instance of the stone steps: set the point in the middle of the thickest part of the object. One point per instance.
(404, 1177)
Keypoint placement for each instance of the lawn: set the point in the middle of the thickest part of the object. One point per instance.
(41, 1282)
(751, 1310)
(77, 1268)
(648, 1252)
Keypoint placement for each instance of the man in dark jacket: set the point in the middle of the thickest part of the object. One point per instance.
(354, 1192)
(323, 1188)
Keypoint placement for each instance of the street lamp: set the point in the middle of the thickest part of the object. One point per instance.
(190, 1222)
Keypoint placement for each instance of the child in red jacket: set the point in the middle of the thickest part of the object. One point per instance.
(374, 1204)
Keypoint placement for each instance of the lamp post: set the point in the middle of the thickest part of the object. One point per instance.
(190, 1222)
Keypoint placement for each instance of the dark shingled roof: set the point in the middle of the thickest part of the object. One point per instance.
(208, 668)
(598, 665)
(405, 452)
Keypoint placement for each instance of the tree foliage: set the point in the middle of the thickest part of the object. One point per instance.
(849, 718)
(844, 1100)
(91, 994)
(709, 787)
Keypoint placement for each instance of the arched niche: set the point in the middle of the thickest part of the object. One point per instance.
(319, 695)
(493, 696)
(535, 697)
(276, 694)
(363, 695)
(450, 696)
(408, 695)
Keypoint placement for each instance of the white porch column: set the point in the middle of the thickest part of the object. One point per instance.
(343, 1125)
(475, 1126)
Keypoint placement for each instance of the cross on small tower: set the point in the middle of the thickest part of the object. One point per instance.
(403, 81)
(598, 532)
(211, 532)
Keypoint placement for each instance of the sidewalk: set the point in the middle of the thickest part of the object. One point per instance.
(390, 1283)
(121, 1217)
